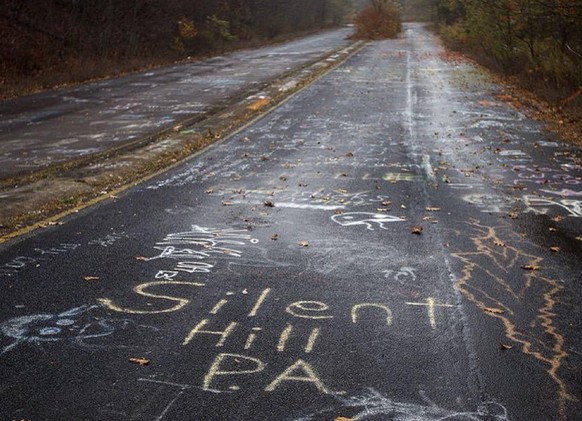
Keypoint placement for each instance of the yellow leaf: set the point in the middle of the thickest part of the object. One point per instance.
(416, 230)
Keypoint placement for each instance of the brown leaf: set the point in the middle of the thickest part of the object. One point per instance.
(269, 204)
(416, 230)
(530, 267)
(493, 310)
(499, 243)
(338, 212)
(139, 361)
(209, 191)
(90, 278)
(303, 243)
(555, 249)
(350, 154)
(558, 218)
(275, 237)
(518, 187)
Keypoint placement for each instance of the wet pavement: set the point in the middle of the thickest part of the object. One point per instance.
(58, 126)
(395, 242)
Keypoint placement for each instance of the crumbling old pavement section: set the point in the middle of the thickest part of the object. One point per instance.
(394, 242)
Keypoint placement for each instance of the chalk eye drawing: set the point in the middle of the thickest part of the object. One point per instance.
(367, 219)
(372, 404)
(74, 326)
(403, 274)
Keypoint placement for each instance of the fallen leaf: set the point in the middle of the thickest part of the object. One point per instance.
(386, 203)
(416, 230)
(338, 212)
(269, 204)
(579, 238)
(303, 243)
(263, 158)
(350, 154)
(343, 419)
(558, 218)
(530, 267)
(209, 191)
(504, 347)
(518, 187)
(513, 215)
(555, 249)
(139, 361)
(552, 229)
(382, 210)
(433, 209)
(141, 258)
(493, 310)
(227, 203)
(90, 278)
(275, 237)
(283, 178)
(499, 244)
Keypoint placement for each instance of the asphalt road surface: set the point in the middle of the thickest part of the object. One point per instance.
(57, 126)
(394, 242)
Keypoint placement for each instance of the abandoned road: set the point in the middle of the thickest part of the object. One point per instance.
(54, 127)
(394, 242)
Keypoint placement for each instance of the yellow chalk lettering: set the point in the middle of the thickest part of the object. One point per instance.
(430, 305)
(233, 361)
(218, 306)
(198, 329)
(141, 290)
(308, 307)
(290, 374)
(259, 302)
(358, 307)
(284, 338)
(311, 341)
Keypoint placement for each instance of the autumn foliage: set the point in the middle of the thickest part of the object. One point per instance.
(539, 41)
(380, 20)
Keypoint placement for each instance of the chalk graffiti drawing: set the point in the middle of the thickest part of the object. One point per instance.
(73, 326)
(372, 404)
(540, 205)
(202, 243)
(404, 274)
(367, 219)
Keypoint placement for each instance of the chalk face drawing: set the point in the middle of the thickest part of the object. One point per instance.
(366, 219)
(372, 405)
(74, 326)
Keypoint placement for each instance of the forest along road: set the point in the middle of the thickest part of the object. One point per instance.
(57, 126)
(394, 242)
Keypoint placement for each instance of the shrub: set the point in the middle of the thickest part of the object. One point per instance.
(379, 21)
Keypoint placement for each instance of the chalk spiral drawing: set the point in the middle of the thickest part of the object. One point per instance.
(367, 219)
(74, 326)
(372, 404)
